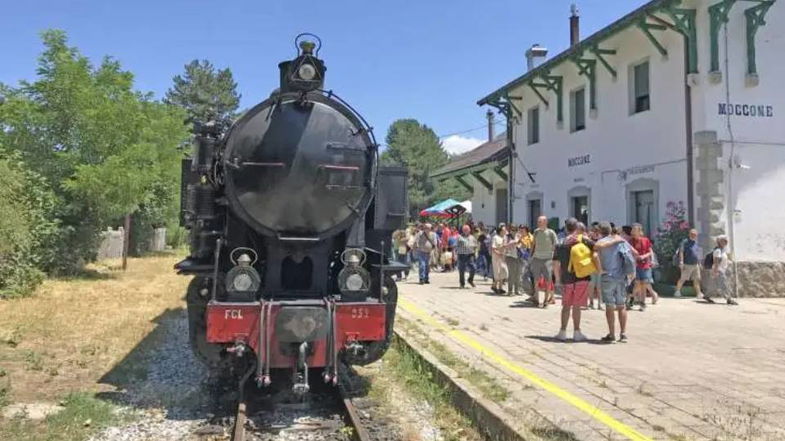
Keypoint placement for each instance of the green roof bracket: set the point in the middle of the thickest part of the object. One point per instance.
(540, 95)
(647, 27)
(718, 15)
(511, 101)
(463, 183)
(684, 22)
(500, 171)
(756, 17)
(484, 182)
(588, 68)
(553, 83)
(600, 54)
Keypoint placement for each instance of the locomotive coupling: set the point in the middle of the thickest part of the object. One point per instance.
(239, 349)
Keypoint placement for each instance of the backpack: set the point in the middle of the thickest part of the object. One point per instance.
(627, 260)
(581, 262)
(708, 261)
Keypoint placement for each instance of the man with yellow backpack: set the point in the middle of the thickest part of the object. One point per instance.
(575, 260)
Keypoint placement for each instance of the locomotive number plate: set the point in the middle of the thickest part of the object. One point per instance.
(361, 321)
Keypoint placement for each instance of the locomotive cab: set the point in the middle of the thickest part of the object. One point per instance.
(289, 217)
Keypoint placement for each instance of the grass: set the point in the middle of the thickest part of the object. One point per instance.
(57, 344)
(83, 415)
(487, 385)
(415, 377)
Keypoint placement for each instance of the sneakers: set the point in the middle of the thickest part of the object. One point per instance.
(608, 339)
(561, 336)
(708, 300)
(578, 337)
(623, 338)
(643, 306)
(677, 293)
(732, 302)
(472, 284)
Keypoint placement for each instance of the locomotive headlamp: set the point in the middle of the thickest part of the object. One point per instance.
(354, 282)
(243, 278)
(353, 279)
(307, 72)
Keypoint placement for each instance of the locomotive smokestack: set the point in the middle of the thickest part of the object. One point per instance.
(575, 25)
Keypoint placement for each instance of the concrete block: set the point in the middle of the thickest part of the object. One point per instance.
(705, 137)
(706, 162)
(706, 215)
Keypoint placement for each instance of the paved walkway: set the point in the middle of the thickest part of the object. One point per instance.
(690, 370)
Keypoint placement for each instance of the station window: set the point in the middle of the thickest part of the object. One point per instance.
(578, 110)
(533, 128)
(641, 100)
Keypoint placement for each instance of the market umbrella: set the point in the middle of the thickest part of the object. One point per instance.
(440, 209)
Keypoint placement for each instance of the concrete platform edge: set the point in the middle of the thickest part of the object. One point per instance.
(488, 418)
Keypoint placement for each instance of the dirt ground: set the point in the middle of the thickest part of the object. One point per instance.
(69, 334)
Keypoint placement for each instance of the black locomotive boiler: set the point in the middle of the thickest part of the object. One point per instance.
(290, 217)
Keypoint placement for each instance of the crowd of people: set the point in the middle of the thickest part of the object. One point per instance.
(601, 266)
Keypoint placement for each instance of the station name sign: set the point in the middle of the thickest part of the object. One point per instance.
(579, 160)
(748, 110)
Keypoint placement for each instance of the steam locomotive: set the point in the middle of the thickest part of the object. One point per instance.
(289, 217)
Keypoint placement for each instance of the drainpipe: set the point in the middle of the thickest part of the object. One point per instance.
(690, 146)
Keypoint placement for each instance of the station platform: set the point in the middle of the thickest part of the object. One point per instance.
(690, 371)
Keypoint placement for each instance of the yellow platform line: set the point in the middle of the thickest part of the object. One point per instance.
(536, 380)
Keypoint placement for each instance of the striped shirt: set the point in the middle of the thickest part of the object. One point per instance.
(466, 245)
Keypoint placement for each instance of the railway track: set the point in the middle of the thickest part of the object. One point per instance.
(326, 414)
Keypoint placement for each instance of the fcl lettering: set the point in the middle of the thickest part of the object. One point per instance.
(234, 314)
(759, 111)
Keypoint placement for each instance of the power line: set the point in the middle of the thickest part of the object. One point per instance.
(471, 130)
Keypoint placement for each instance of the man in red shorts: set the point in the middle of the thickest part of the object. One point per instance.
(575, 291)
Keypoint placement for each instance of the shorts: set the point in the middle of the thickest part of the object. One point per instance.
(614, 291)
(541, 268)
(644, 275)
(576, 294)
(595, 280)
(690, 272)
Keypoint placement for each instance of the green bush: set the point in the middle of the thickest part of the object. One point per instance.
(26, 227)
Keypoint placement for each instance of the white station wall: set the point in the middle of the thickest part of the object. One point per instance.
(623, 149)
(756, 141)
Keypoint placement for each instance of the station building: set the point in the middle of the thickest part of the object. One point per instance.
(680, 101)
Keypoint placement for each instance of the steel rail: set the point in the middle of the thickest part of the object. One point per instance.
(360, 433)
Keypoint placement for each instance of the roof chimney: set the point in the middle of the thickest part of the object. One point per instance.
(536, 51)
(575, 26)
(489, 115)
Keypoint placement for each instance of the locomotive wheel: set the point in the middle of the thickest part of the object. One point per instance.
(211, 355)
(375, 350)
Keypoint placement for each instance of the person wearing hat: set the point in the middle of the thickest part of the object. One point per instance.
(424, 243)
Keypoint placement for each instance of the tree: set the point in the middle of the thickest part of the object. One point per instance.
(104, 148)
(416, 147)
(205, 93)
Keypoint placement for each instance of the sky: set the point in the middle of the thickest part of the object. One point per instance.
(429, 60)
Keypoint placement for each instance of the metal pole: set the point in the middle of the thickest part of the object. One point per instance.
(126, 239)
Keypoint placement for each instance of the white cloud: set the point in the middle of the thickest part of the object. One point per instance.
(457, 144)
